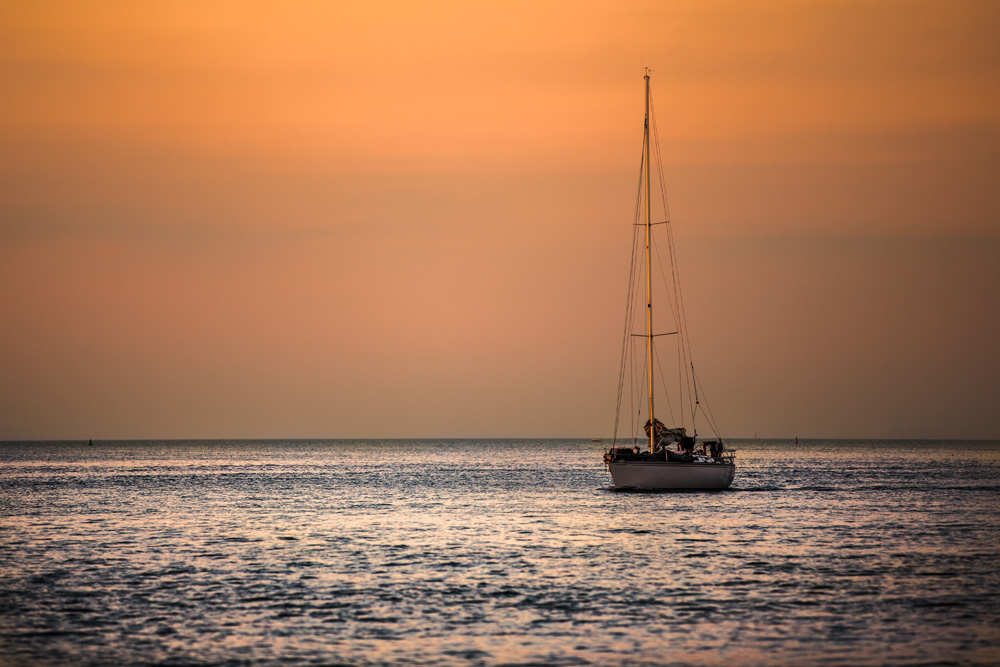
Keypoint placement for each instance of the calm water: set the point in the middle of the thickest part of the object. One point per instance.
(495, 553)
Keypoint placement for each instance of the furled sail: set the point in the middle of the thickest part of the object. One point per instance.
(665, 435)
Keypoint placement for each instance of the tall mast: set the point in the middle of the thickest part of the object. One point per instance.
(649, 279)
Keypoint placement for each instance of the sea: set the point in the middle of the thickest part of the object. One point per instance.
(495, 552)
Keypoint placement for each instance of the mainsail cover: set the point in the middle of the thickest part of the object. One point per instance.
(665, 435)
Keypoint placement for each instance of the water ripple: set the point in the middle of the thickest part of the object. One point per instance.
(487, 553)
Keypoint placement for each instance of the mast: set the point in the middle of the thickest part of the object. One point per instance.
(649, 279)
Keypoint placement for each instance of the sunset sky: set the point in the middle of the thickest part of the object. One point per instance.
(395, 219)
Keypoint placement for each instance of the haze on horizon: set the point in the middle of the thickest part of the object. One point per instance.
(310, 219)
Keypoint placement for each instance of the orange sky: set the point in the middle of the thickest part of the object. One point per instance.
(316, 219)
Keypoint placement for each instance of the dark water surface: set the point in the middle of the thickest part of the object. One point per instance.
(495, 553)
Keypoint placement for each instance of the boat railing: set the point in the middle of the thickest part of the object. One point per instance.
(727, 456)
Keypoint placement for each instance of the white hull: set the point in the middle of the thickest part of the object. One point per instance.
(659, 475)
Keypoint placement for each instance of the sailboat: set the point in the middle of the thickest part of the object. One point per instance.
(668, 458)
